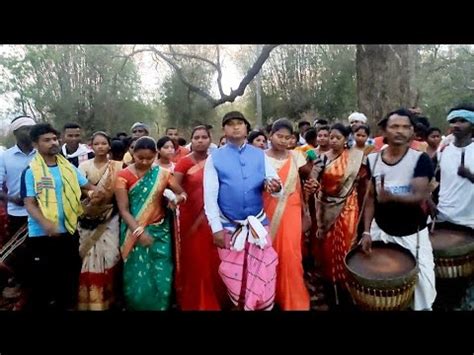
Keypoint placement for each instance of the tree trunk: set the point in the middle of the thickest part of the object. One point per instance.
(259, 124)
(384, 79)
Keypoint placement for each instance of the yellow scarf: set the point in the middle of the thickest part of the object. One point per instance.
(46, 195)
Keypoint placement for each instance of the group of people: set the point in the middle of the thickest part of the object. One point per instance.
(134, 223)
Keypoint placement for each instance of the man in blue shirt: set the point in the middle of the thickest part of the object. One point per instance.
(12, 162)
(51, 187)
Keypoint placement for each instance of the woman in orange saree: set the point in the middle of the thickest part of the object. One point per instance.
(285, 219)
(200, 286)
(337, 210)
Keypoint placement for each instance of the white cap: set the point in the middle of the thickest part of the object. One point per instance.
(357, 116)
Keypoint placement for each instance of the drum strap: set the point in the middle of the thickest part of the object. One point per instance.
(15, 241)
(417, 243)
(366, 195)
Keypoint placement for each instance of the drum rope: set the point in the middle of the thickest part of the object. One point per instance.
(366, 195)
(417, 244)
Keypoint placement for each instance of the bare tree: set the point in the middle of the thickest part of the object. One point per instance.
(172, 57)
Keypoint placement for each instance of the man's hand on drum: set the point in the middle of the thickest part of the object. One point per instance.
(366, 243)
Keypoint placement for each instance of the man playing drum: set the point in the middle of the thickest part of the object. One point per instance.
(456, 164)
(396, 197)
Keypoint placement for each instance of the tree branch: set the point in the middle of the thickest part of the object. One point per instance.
(264, 54)
(192, 56)
(325, 52)
(219, 71)
(251, 73)
(179, 72)
(31, 109)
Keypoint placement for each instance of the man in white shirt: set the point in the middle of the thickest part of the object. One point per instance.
(394, 208)
(456, 193)
(72, 149)
(456, 163)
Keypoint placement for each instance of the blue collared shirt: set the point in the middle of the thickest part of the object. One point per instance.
(28, 190)
(12, 163)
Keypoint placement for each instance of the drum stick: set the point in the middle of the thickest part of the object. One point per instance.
(433, 225)
(463, 152)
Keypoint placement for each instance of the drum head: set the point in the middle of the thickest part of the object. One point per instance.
(388, 265)
(451, 243)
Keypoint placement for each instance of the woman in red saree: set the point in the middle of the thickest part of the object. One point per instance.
(286, 222)
(200, 286)
(337, 210)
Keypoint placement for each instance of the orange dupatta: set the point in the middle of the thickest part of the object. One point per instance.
(145, 198)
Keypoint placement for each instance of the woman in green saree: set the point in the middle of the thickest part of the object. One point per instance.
(145, 235)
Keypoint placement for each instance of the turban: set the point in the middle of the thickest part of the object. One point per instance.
(466, 114)
(21, 122)
(357, 116)
(140, 125)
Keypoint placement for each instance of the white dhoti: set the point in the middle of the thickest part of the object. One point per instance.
(425, 290)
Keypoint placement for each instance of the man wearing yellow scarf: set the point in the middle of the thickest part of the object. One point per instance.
(51, 188)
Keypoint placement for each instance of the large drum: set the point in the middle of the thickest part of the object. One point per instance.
(453, 253)
(384, 280)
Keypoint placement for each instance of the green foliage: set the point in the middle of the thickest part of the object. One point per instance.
(183, 107)
(445, 78)
(298, 79)
(94, 85)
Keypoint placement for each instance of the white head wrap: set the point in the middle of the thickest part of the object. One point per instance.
(357, 116)
(140, 125)
(21, 122)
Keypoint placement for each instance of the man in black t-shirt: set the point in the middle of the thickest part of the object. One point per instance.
(395, 210)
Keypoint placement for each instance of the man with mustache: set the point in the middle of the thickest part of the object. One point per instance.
(73, 149)
(456, 177)
(235, 177)
(395, 207)
(51, 190)
(12, 162)
(456, 163)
